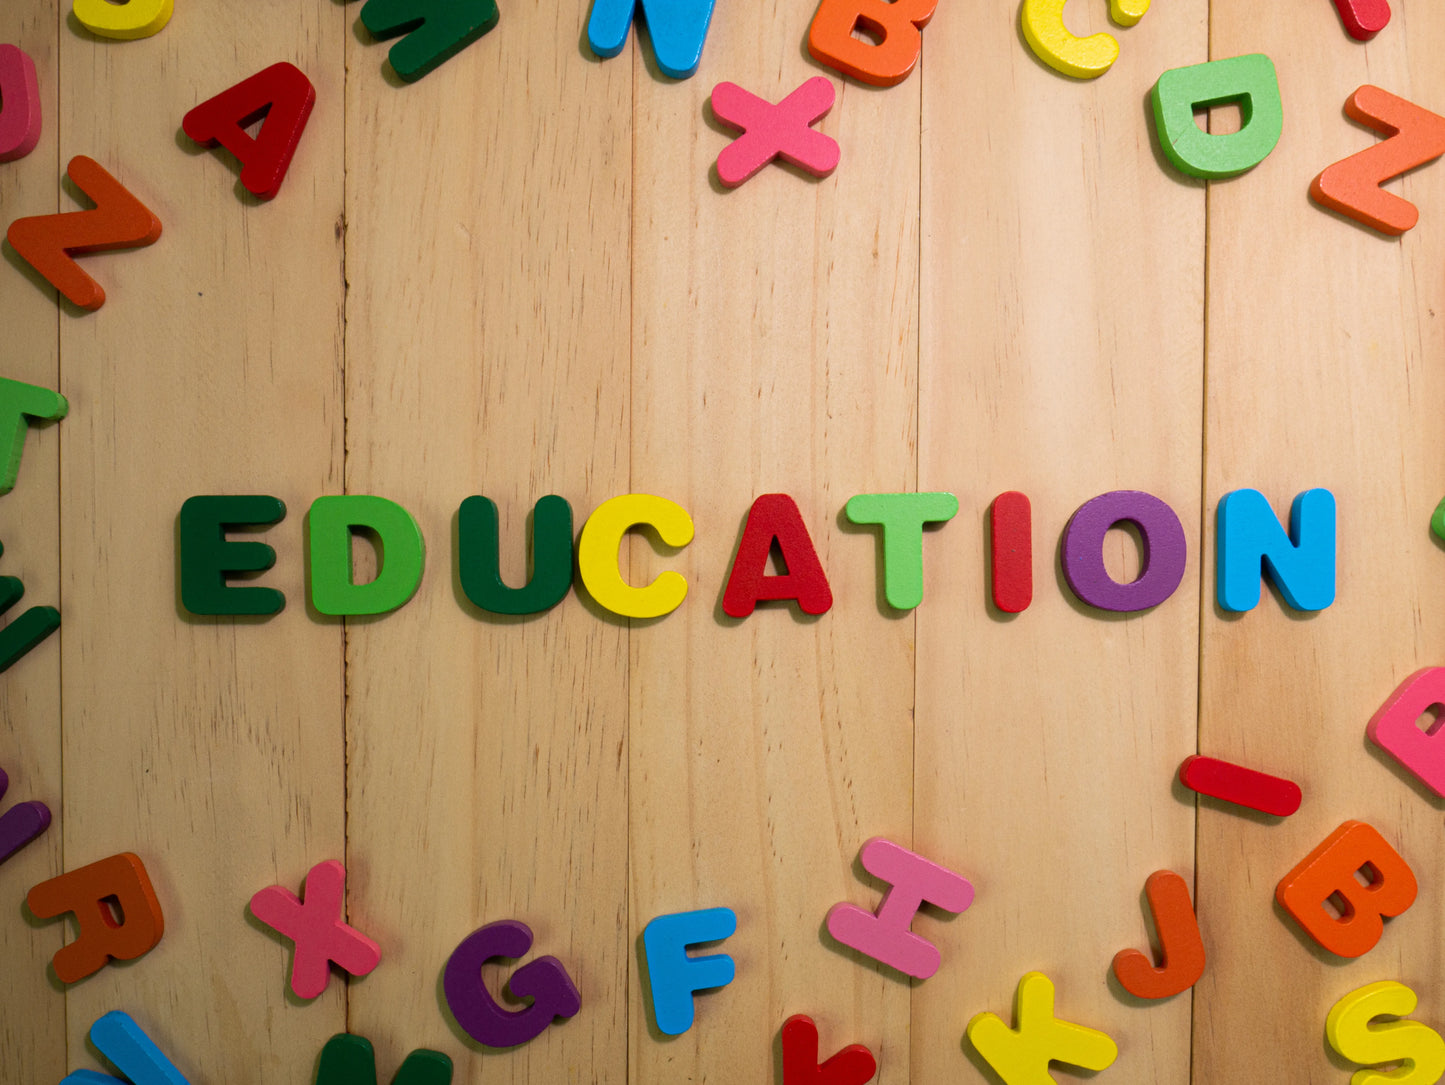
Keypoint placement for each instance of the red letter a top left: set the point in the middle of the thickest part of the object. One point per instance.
(283, 96)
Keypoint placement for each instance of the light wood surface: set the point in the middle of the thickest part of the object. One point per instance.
(32, 1025)
(1336, 308)
(520, 276)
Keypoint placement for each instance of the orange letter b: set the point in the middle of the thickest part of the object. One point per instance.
(896, 25)
(1330, 872)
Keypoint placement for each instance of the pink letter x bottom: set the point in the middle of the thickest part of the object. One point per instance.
(316, 928)
(774, 131)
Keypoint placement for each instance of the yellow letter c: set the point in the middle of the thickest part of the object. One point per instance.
(601, 540)
(128, 21)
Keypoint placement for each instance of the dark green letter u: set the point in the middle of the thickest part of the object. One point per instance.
(477, 557)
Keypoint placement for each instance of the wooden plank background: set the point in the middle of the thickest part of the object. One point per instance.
(520, 276)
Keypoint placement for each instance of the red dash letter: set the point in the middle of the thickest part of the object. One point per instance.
(775, 518)
(1329, 872)
(1241, 786)
(1181, 949)
(87, 892)
(119, 221)
(1011, 551)
(1352, 186)
(284, 97)
(1364, 18)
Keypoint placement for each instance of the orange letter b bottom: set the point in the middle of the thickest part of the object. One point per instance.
(1330, 872)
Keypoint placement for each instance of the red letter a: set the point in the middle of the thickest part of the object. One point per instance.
(281, 94)
(776, 517)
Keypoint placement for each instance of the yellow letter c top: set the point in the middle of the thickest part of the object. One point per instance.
(597, 552)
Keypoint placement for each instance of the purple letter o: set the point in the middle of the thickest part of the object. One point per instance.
(1164, 551)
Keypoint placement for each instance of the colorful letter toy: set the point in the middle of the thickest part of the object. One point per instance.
(1244, 787)
(854, 1065)
(544, 980)
(1181, 949)
(316, 927)
(117, 1037)
(1251, 540)
(1021, 1055)
(774, 520)
(1364, 19)
(884, 935)
(330, 525)
(1248, 80)
(208, 557)
(1414, 136)
(672, 975)
(478, 560)
(283, 96)
(1417, 1048)
(18, 402)
(436, 30)
(597, 553)
(119, 221)
(22, 823)
(1165, 551)
(19, 104)
(896, 23)
(1011, 552)
(126, 22)
(1330, 871)
(85, 891)
(26, 631)
(774, 131)
(678, 29)
(1394, 729)
(1082, 58)
(1437, 521)
(350, 1060)
(901, 518)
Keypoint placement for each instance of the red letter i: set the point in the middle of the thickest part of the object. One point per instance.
(1011, 547)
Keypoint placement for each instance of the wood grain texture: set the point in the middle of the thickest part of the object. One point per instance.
(775, 350)
(520, 276)
(210, 748)
(32, 1022)
(487, 353)
(1061, 354)
(1323, 370)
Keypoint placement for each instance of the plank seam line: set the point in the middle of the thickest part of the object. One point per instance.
(59, 523)
(346, 90)
(1203, 564)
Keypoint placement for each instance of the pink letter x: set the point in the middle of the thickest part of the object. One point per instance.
(316, 928)
(773, 131)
